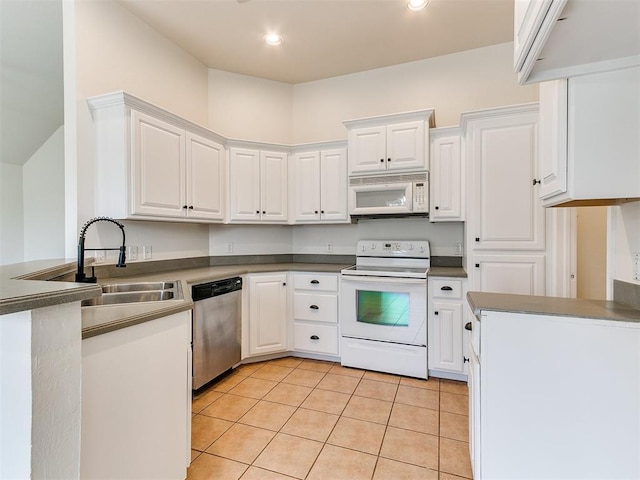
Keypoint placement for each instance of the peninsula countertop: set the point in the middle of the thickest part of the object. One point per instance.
(555, 306)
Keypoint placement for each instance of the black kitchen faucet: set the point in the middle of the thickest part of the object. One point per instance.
(80, 276)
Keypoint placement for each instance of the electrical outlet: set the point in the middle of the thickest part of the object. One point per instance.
(229, 247)
(146, 252)
(132, 253)
(100, 256)
(636, 266)
(458, 248)
(329, 247)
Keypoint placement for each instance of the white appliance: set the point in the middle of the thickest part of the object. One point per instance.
(389, 194)
(383, 308)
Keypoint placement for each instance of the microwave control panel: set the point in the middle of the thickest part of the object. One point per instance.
(420, 197)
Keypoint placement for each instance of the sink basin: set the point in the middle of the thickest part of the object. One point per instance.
(122, 293)
(137, 287)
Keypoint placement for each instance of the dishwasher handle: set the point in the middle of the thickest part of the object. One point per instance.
(215, 289)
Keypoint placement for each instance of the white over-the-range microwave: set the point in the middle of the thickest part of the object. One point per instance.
(389, 194)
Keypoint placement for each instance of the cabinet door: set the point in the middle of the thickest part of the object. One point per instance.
(205, 179)
(503, 158)
(306, 186)
(553, 138)
(367, 150)
(273, 186)
(123, 434)
(518, 274)
(267, 313)
(445, 181)
(445, 344)
(406, 146)
(158, 182)
(244, 185)
(333, 185)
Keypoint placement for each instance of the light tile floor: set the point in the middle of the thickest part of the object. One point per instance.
(306, 419)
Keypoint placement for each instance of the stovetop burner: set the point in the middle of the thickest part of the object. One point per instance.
(384, 258)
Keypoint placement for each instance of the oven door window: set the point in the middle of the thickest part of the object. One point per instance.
(390, 309)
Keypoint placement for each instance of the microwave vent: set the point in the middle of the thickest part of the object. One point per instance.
(399, 178)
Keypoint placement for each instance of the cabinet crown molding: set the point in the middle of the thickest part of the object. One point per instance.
(426, 114)
(466, 117)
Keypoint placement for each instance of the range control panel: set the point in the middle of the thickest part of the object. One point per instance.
(393, 248)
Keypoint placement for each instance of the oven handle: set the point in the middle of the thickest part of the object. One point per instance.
(394, 280)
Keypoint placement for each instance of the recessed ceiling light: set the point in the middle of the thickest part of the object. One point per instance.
(273, 39)
(417, 4)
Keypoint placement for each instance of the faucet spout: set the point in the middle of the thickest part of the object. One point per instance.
(80, 275)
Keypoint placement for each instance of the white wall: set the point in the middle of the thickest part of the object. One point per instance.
(43, 200)
(451, 84)
(117, 51)
(11, 216)
(250, 108)
(624, 241)
(250, 239)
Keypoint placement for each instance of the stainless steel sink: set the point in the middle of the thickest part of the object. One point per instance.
(122, 293)
(137, 287)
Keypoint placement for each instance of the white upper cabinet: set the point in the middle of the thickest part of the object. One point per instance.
(391, 142)
(257, 186)
(589, 142)
(318, 183)
(502, 151)
(446, 177)
(153, 165)
(564, 38)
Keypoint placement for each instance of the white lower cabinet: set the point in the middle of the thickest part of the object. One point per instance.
(267, 313)
(136, 401)
(554, 397)
(447, 343)
(315, 313)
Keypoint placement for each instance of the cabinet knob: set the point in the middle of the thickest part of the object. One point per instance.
(190, 207)
(314, 337)
(382, 160)
(321, 211)
(316, 211)
(446, 288)
(437, 208)
(468, 326)
(257, 212)
(314, 282)
(477, 239)
(184, 207)
(388, 159)
(284, 284)
(314, 307)
(535, 182)
(465, 360)
(477, 265)
(436, 313)
(264, 212)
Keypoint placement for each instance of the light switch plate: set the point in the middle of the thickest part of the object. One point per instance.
(146, 252)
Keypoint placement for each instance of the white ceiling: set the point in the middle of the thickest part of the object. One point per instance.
(323, 38)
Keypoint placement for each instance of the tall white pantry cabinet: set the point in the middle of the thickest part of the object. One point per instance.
(505, 230)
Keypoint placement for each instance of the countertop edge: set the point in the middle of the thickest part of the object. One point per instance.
(552, 306)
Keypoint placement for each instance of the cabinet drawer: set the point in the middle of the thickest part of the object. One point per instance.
(446, 289)
(315, 338)
(315, 307)
(311, 281)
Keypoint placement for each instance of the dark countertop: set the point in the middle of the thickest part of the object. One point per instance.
(23, 286)
(555, 306)
(453, 272)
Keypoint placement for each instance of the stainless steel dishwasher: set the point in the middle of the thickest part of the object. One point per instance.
(216, 328)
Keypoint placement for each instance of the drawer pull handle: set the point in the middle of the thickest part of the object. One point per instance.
(314, 337)
(465, 359)
(446, 288)
(314, 307)
(315, 282)
(467, 326)
(436, 313)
